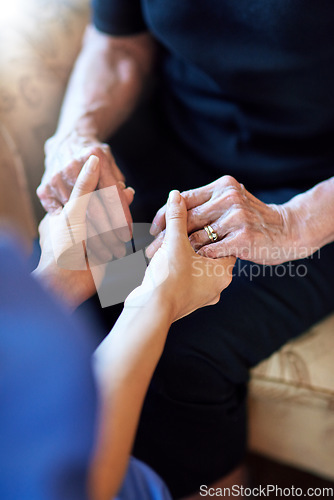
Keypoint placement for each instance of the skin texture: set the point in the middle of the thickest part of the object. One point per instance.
(104, 88)
(250, 229)
(80, 284)
(176, 283)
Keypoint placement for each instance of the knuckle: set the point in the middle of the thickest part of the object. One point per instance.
(195, 241)
(195, 215)
(209, 252)
(70, 173)
(240, 213)
(232, 196)
(105, 148)
(96, 150)
(40, 191)
(55, 180)
(44, 192)
(175, 215)
(228, 180)
(195, 238)
(187, 195)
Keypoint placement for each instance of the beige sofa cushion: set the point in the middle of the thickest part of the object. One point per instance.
(307, 361)
(39, 42)
(291, 403)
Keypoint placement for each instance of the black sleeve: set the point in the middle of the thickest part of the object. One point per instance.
(118, 17)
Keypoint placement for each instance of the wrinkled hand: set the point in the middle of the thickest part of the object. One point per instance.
(63, 238)
(246, 227)
(64, 161)
(186, 280)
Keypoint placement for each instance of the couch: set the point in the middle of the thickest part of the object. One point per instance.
(291, 397)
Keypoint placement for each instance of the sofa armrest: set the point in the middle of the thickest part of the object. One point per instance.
(41, 41)
(15, 205)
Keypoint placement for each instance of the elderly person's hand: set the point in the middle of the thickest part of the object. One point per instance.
(64, 161)
(184, 280)
(242, 225)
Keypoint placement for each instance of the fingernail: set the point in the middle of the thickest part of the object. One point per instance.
(91, 164)
(154, 230)
(121, 184)
(130, 188)
(174, 196)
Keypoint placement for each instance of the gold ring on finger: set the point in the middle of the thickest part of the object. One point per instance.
(211, 233)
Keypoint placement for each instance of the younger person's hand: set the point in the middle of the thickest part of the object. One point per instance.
(65, 158)
(184, 280)
(63, 266)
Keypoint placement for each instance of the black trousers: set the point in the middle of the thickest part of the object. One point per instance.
(193, 427)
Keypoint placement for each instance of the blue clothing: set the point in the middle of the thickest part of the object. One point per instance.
(47, 396)
(142, 483)
(247, 85)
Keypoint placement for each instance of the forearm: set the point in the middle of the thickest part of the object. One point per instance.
(64, 284)
(105, 85)
(126, 362)
(312, 215)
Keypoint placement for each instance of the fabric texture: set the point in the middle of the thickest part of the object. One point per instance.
(245, 83)
(48, 396)
(244, 88)
(293, 390)
(142, 483)
(193, 428)
(47, 391)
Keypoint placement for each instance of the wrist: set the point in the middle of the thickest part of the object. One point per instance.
(76, 136)
(62, 283)
(301, 241)
(152, 301)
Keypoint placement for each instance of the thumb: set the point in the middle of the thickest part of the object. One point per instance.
(84, 187)
(176, 217)
(88, 178)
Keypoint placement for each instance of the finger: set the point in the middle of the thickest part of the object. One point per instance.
(47, 199)
(116, 171)
(200, 238)
(63, 193)
(107, 179)
(112, 199)
(61, 188)
(51, 205)
(176, 218)
(155, 245)
(103, 229)
(97, 252)
(193, 198)
(196, 197)
(223, 248)
(159, 221)
(88, 178)
(205, 214)
(129, 194)
(100, 238)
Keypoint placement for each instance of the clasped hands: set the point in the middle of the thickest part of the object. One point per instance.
(243, 226)
(170, 274)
